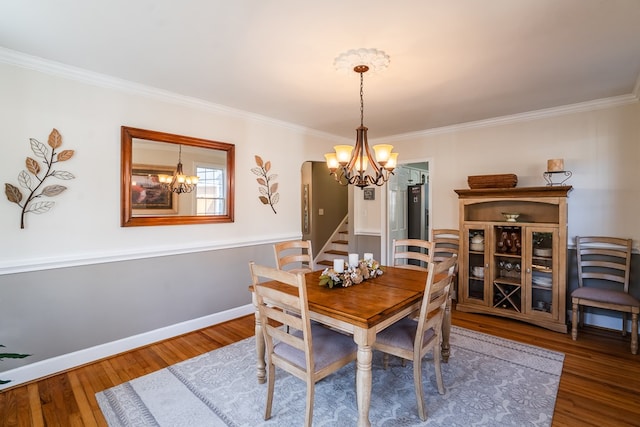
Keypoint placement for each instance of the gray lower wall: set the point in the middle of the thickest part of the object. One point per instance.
(54, 312)
(50, 313)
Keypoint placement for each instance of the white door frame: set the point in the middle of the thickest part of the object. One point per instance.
(384, 216)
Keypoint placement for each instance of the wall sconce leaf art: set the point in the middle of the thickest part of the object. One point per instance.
(35, 188)
(268, 189)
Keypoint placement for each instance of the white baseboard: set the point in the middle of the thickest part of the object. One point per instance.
(48, 367)
(603, 321)
(65, 362)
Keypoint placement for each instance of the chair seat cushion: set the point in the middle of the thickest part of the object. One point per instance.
(328, 347)
(402, 334)
(605, 295)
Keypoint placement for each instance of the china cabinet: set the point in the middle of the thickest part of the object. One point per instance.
(513, 253)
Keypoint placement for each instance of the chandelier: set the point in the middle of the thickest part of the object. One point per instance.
(349, 164)
(179, 182)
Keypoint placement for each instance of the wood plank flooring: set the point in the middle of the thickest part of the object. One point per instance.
(600, 383)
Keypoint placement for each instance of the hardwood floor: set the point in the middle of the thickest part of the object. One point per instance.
(600, 383)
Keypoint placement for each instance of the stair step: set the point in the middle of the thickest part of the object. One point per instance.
(336, 252)
(340, 242)
(325, 262)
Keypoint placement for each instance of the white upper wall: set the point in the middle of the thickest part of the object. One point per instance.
(600, 147)
(84, 224)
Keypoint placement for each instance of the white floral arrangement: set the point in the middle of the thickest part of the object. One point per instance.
(366, 269)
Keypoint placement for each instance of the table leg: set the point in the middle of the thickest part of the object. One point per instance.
(260, 348)
(364, 338)
(446, 332)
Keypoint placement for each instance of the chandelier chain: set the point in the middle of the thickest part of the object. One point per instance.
(361, 99)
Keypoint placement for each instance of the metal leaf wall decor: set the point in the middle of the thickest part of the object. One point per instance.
(268, 188)
(34, 177)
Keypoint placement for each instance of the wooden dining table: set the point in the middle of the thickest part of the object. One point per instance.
(362, 311)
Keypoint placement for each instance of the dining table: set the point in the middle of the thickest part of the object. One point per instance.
(362, 311)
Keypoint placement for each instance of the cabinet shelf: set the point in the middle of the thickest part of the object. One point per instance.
(507, 255)
(507, 281)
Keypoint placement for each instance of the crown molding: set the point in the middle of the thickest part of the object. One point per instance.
(58, 69)
(523, 117)
(35, 63)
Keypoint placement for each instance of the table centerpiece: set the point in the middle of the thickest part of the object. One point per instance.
(351, 275)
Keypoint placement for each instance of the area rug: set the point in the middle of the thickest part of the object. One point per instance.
(489, 381)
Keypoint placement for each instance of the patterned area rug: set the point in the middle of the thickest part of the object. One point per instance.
(489, 381)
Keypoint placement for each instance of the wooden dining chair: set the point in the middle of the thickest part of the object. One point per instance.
(295, 256)
(309, 352)
(411, 340)
(604, 265)
(414, 254)
(446, 243)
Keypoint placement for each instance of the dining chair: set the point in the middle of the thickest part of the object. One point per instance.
(411, 340)
(604, 265)
(446, 243)
(414, 254)
(295, 256)
(310, 352)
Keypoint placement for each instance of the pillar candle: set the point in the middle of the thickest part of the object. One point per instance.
(368, 256)
(353, 260)
(338, 265)
(555, 165)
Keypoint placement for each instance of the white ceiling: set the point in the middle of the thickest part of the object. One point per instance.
(452, 61)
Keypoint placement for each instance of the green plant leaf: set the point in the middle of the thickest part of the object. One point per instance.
(13, 356)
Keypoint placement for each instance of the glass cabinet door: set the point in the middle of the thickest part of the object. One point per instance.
(506, 289)
(476, 266)
(541, 247)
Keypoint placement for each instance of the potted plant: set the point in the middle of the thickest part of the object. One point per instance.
(10, 356)
(542, 244)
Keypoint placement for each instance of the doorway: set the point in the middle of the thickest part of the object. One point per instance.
(408, 202)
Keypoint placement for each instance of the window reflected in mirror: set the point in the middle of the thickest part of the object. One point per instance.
(173, 179)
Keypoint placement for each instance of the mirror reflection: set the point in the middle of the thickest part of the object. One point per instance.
(173, 179)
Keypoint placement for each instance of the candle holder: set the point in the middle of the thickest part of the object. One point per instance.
(556, 177)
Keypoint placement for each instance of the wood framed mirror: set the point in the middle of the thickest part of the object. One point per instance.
(149, 159)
